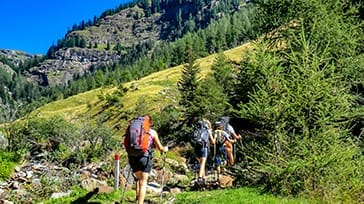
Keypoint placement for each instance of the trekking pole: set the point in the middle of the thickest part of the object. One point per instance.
(234, 152)
(163, 170)
(126, 183)
(214, 160)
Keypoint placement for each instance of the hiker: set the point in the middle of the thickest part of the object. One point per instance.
(142, 164)
(219, 138)
(201, 149)
(229, 148)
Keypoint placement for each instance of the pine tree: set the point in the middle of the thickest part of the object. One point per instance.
(300, 100)
(108, 45)
(187, 87)
(223, 75)
(212, 101)
(118, 48)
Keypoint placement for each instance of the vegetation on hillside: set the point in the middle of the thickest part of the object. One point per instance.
(212, 33)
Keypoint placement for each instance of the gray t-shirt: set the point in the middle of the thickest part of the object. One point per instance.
(230, 130)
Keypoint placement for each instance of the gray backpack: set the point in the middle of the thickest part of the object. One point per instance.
(200, 134)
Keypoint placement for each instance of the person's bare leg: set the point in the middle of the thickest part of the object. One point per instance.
(202, 167)
(142, 180)
(218, 170)
(231, 157)
(137, 190)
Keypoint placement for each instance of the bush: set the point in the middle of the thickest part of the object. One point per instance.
(8, 161)
(63, 141)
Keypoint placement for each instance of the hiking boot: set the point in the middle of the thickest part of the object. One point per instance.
(200, 181)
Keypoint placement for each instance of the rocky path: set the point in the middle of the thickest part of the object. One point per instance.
(37, 178)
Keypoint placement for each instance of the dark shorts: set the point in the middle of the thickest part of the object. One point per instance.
(141, 163)
(200, 151)
(220, 155)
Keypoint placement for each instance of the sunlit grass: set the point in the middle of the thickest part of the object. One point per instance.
(231, 196)
(235, 196)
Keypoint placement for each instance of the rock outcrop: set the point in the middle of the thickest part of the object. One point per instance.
(127, 28)
(69, 62)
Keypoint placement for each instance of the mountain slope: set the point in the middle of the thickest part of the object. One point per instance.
(117, 37)
(121, 28)
(152, 88)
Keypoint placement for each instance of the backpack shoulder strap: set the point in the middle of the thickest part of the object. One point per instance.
(216, 132)
(147, 123)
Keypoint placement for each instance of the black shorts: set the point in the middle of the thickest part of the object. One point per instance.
(141, 163)
(201, 151)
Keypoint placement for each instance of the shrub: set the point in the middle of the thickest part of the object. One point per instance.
(8, 161)
(62, 140)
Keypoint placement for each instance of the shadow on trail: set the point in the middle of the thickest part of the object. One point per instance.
(86, 198)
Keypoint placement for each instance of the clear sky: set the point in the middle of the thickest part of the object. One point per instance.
(33, 26)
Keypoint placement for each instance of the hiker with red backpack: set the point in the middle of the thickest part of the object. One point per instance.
(138, 141)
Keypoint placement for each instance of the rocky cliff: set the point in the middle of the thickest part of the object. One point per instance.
(13, 58)
(127, 28)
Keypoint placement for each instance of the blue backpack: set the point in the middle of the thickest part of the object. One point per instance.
(200, 134)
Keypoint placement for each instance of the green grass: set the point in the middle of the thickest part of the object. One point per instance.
(79, 195)
(231, 196)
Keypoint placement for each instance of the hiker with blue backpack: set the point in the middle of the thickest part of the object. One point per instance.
(201, 140)
(138, 141)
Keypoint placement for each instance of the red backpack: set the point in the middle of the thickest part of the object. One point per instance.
(137, 140)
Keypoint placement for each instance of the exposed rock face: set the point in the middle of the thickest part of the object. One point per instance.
(14, 56)
(127, 28)
(70, 62)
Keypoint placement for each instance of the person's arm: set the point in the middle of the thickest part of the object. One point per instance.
(228, 138)
(212, 138)
(232, 132)
(157, 142)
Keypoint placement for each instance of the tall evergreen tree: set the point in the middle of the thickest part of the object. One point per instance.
(223, 74)
(187, 87)
(300, 98)
(212, 101)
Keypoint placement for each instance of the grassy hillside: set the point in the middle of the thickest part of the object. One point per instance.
(88, 104)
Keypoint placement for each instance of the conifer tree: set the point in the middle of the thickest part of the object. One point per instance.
(223, 75)
(300, 98)
(108, 45)
(212, 101)
(187, 87)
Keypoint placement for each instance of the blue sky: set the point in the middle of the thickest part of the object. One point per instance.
(33, 26)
